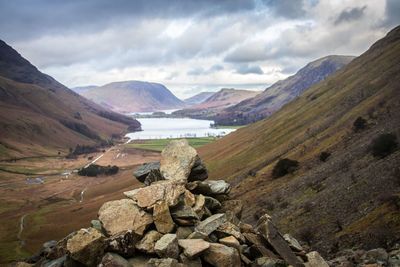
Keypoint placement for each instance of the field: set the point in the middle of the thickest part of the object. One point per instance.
(159, 144)
(33, 213)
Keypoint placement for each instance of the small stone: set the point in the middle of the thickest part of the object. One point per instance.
(142, 172)
(113, 260)
(177, 160)
(123, 243)
(376, 255)
(184, 215)
(196, 262)
(189, 199)
(147, 197)
(86, 246)
(148, 242)
(199, 206)
(183, 232)
(198, 172)
(96, 224)
(162, 218)
(139, 261)
(272, 235)
(246, 228)
(219, 255)
(229, 228)
(315, 260)
(193, 247)
(60, 262)
(123, 215)
(163, 263)
(293, 243)
(167, 246)
(230, 241)
(211, 224)
(268, 262)
(233, 206)
(212, 204)
(153, 176)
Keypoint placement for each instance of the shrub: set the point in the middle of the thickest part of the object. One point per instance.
(93, 170)
(284, 166)
(306, 235)
(324, 156)
(359, 124)
(383, 145)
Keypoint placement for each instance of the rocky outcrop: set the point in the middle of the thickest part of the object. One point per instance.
(176, 222)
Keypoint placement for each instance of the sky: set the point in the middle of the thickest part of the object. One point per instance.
(189, 45)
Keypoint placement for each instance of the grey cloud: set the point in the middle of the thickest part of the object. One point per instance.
(201, 71)
(286, 8)
(392, 11)
(246, 69)
(350, 15)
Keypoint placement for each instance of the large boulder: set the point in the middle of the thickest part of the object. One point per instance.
(144, 170)
(113, 260)
(162, 218)
(86, 246)
(219, 255)
(193, 247)
(123, 215)
(167, 246)
(276, 240)
(211, 224)
(177, 160)
(147, 197)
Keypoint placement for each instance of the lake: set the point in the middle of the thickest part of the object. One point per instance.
(162, 128)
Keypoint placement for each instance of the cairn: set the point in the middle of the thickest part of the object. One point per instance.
(178, 218)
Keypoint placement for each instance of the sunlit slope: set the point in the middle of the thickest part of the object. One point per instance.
(352, 199)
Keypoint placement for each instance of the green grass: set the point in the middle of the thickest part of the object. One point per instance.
(228, 126)
(159, 144)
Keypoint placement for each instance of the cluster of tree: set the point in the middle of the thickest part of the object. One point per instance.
(93, 170)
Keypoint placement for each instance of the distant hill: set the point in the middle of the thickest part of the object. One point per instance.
(216, 102)
(40, 116)
(344, 197)
(199, 98)
(83, 89)
(280, 93)
(134, 96)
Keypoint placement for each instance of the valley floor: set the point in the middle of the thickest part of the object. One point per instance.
(43, 198)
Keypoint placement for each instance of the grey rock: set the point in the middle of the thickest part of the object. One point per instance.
(142, 172)
(148, 242)
(162, 218)
(193, 247)
(96, 224)
(276, 240)
(293, 243)
(56, 263)
(196, 262)
(315, 260)
(210, 224)
(113, 260)
(198, 172)
(183, 232)
(177, 160)
(268, 262)
(123, 215)
(219, 255)
(184, 215)
(167, 246)
(210, 188)
(123, 243)
(227, 229)
(163, 263)
(153, 176)
(212, 204)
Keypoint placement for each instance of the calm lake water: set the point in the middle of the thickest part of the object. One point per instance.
(161, 128)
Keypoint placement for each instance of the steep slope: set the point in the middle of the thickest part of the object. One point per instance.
(216, 102)
(82, 89)
(40, 116)
(352, 199)
(280, 93)
(199, 98)
(134, 96)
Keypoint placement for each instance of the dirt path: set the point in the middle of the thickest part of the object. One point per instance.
(21, 229)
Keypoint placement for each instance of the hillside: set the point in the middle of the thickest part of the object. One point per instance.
(134, 96)
(353, 197)
(282, 92)
(198, 98)
(40, 116)
(82, 89)
(216, 102)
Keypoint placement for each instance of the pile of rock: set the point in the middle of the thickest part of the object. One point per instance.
(177, 219)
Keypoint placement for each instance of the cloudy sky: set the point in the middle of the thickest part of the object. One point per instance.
(189, 45)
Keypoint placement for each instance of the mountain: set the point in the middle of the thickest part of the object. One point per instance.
(83, 89)
(40, 116)
(134, 96)
(280, 93)
(199, 98)
(216, 102)
(350, 197)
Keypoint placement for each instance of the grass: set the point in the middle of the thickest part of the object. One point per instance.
(228, 126)
(159, 144)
